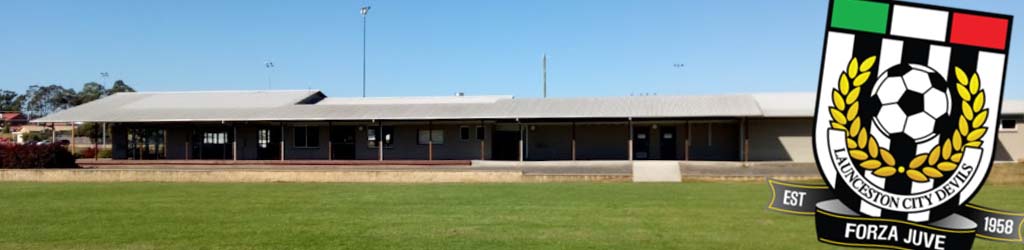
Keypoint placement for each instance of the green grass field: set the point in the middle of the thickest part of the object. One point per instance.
(396, 216)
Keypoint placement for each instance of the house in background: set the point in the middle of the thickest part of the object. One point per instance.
(308, 125)
(12, 120)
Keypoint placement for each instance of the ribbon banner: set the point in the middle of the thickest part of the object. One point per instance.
(840, 225)
(797, 198)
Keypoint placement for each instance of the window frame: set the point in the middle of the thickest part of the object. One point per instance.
(465, 133)
(432, 133)
(215, 138)
(372, 133)
(308, 142)
(263, 138)
(481, 133)
(1016, 125)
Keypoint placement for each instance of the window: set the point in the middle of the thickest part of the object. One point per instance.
(375, 134)
(307, 137)
(264, 139)
(435, 136)
(146, 143)
(1008, 125)
(215, 138)
(480, 133)
(464, 133)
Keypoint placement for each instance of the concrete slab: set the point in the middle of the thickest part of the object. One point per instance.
(656, 171)
(621, 168)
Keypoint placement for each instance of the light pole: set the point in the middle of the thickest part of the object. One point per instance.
(104, 134)
(544, 66)
(269, 65)
(363, 11)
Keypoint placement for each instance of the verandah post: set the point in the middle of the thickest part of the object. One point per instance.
(520, 141)
(380, 141)
(689, 134)
(96, 146)
(574, 140)
(746, 140)
(330, 143)
(282, 141)
(629, 130)
(430, 140)
(72, 138)
(188, 143)
(482, 139)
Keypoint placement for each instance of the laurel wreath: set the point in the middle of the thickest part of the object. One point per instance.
(941, 159)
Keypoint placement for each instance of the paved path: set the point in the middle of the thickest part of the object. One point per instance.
(657, 171)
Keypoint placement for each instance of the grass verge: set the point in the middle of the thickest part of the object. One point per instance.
(411, 216)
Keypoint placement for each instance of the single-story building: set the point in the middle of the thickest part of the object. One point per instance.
(308, 125)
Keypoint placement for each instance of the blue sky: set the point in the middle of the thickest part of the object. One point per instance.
(595, 48)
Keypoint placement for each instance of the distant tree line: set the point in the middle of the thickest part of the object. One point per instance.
(42, 100)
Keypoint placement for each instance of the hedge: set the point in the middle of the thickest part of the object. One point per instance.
(35, 156)
(90, 153)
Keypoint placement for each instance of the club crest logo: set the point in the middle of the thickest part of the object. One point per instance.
(904, 133)
(906, 144)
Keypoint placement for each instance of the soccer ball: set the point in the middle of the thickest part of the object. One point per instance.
(912, 99)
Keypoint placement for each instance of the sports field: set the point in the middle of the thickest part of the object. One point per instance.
(414, 216)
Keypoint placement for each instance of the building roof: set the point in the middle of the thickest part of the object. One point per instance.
(795, 104)
(293, 105)
(1015, 107)
(180, 106)
(13, 116)
(637, 107)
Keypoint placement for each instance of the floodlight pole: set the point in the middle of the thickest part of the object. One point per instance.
(363, 11)
(269, 66)
(104, 134)
(545, 74)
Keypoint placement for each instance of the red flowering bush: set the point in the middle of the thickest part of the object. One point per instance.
(35, 156)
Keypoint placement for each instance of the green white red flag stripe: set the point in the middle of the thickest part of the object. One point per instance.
(920, 22)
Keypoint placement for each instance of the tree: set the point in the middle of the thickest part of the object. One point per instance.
(119, 86)
(10, 100)
(43, 100)
(37, 136)
(91, 91)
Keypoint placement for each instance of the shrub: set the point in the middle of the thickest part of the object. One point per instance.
(89, 153)
(106, 153)
(36, 156)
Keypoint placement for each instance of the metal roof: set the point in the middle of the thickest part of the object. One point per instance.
(292, 106)
(797, 104)
(1013, 107)
(801, 104)
(180, 106)
(637, 107)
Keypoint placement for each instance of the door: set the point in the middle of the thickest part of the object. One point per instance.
(505, 145)
(268, 143)
(714, 141)
(146, 144)
(343, 143)
(642, 143)
(667, 143)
